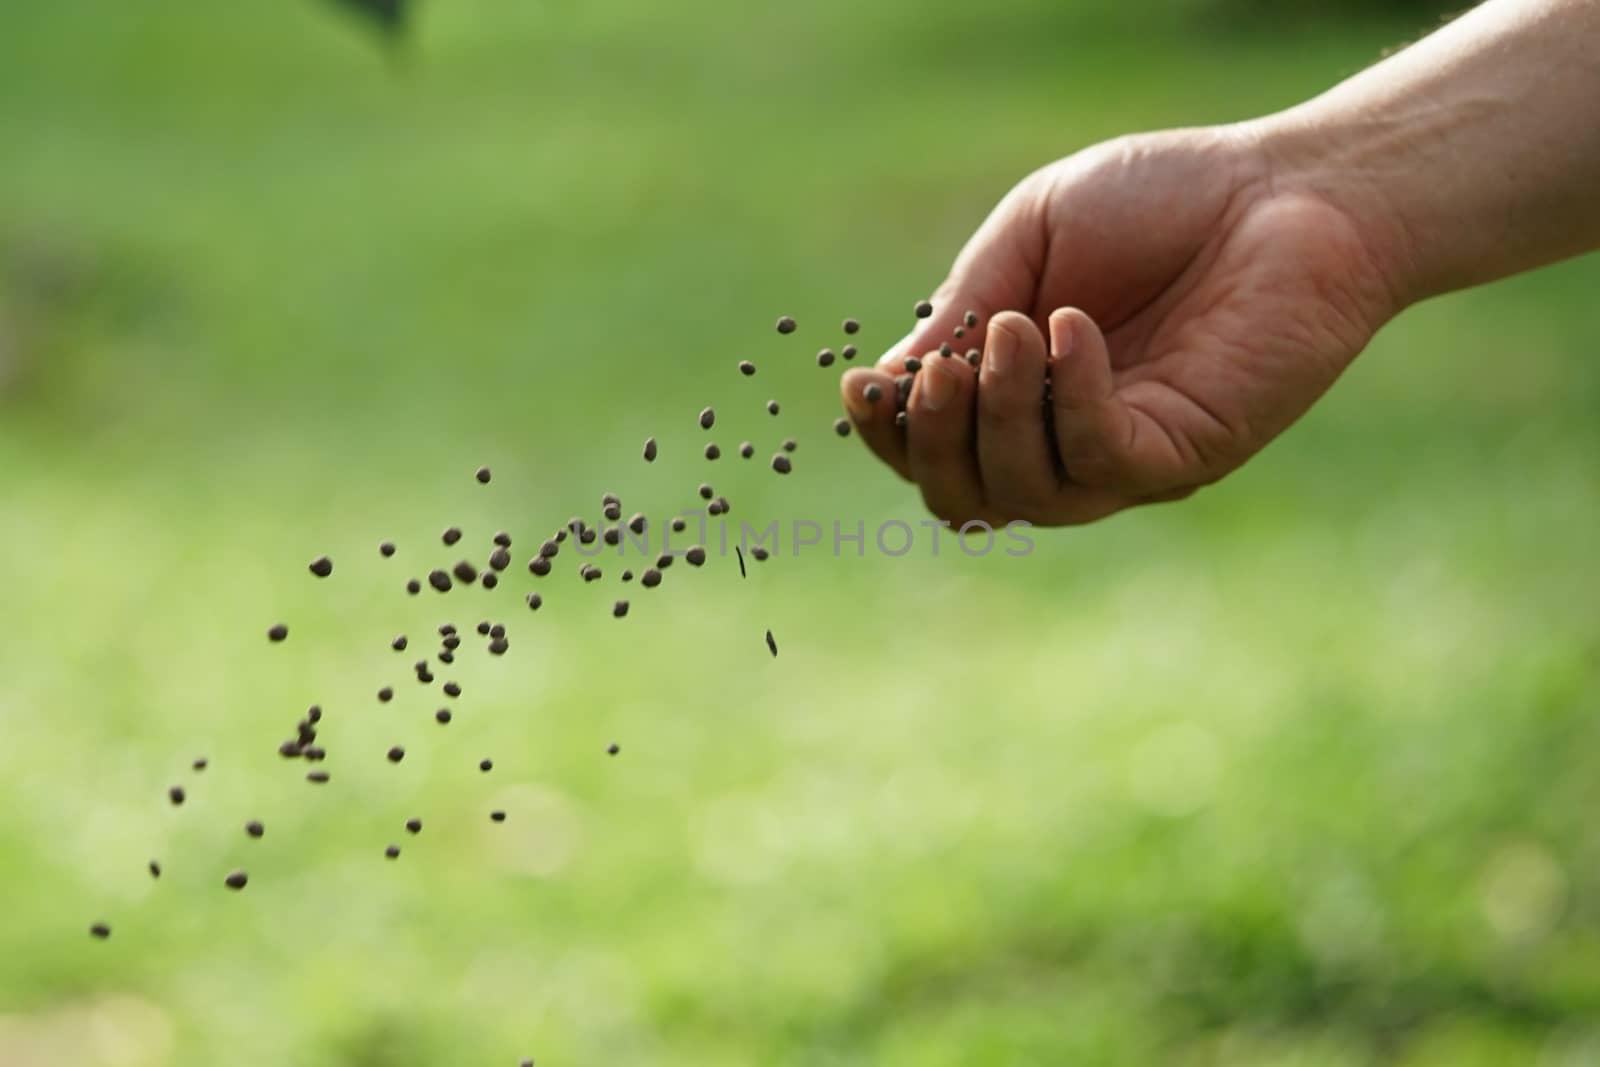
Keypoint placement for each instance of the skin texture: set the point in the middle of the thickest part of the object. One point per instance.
(1191, 293)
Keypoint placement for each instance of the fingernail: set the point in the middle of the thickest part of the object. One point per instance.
(1002, 352)
(937, 384)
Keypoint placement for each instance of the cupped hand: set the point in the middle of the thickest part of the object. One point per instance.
(1151, 312)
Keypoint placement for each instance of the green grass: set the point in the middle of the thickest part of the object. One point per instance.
(1302, 771)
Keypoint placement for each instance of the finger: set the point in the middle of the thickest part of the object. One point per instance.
(1103, 442)
(1014, 446)
(868, 396)
(940, 439)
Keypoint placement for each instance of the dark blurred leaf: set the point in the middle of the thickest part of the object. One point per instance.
(388, 15)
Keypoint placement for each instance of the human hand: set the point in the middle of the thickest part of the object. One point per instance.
(1196, 302)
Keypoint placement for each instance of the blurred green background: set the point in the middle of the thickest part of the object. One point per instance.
(1303, 771)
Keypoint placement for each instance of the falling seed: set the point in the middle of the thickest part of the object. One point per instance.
(913, 365)
(679, 524)
(613, 748)
(872, 392)
(439, 580)
(442, 716)
(900, 420)
(923, 309)
(590, 572)
(650, 578)
(561, 535)
(664, 560)
(498, 648)
(841, 427)
(649, 449)
(289, 750)
(638, 523)
(851, 326)
(970, 319)
(489, 580)
(314, 714)
(483, 475)
(202, 763)
(446, 656)
(413, 587)
(155, 868)
(486, 765)
(786, 325)
(740, 552)
(723, 507)
(385, 695)
(695, 556)
(425, 677)
(758, 553)
(497, 816)
(619, 609)
(534, 601)
(627, 576)
(465, 572)
(825, 358)
(502, 539)
(421, 666)
(451, 535)
(386, 549)
(315, 754)
(588, 537)
(848, 352)
(451, 642)
(318, 777)
(399, 643)
(706, 492)
(254, 828)
(549, 549)
(322, 566)
(307, 733)
(946, 351)
(708, 418)
(610, 498)
(278, 632)
(612, 511)
(781, 464)
(613, 535)
(539, 565)
(396, 754)
(746, 368)
(499, 559)
(974, 356)
(772, 407)
(176, 795)
(100, 931)
(790, 444)
(452, 689)
(484, 626)
(746, 449)
(236, 880)
(772, 644)
(392, 852)
(713, 452)
(497, 630)
(414, 825)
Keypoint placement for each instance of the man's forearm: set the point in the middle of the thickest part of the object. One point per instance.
(1469, 156)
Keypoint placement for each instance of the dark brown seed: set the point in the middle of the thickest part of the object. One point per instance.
(841, 427)
(386, 549)
(421, 666)
(746, 449)
(484, 626)
(772, 407)
(588, 536)
(714, 508)
(315, 754)
(254, 828)
(740, 553)
(790, 444)
(590, 572)
(946, 351)
(695, 556)
(722, 504)
(638, 523)
(439, 580)
(322, 566)
(612, 511)
(923, 309)
(959, 332)
(650, 450)
(176, 795)
(781, 464)
(451, 535)
(713, 452)
(848, 352)
(613, 748)
(425, 677)
(771, 644)
(314, 714)
(452, 642)
(913, 365)
(392, 852)
(851, 326)
(486, 765)
(872, 392)
(307, 734)
(483, 475)
(760, 554)
(613, 535)
(534, 601)
(786, 325)
(499, 559)
(414, 825)
(446, 656)
(497, 816)
(465, 572)
(489, 580)
(526, 1063)
(561, 535)
(202, 763)
(746, 368)
(706, 492)
(442, 716)
(664, 560)
(236, 880)
(502, 539)
(627, 576)
(825, 358)
(399, 643)
(499, 647)
(974, 356)
(619, 609)
(100, 931)
(290, 750)
(497, 630)
(610, 498)
(413, 587)
(575, 524)
(900, 420)
(708, 418)
(385, 695)
(396, 754)
(452, 689)
(539, 565)
(549, 549)
(155, 868)
(650, 578)
(680, 524)
(278, 632)
(318, 777)
(970, 319)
